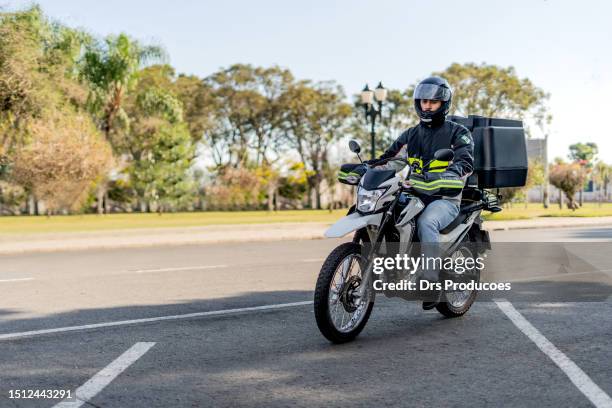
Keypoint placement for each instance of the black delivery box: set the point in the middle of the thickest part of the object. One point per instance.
(500, 151)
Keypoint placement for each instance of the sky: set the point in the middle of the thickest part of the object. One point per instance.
(564, 47)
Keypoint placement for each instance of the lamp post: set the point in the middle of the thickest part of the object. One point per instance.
(372, 102)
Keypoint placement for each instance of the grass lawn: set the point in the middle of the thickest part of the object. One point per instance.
(533, 210)
(72, 223)
(91, 222)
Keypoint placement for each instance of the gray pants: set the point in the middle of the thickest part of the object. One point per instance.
(436, 216)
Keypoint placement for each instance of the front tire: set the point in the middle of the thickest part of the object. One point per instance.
(340, 315)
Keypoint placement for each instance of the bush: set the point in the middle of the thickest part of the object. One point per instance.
(235, 189)
(65, 157)
(569, 178)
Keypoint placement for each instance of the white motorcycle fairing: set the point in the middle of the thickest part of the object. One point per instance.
(352, 222)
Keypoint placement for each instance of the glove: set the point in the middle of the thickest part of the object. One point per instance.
(350, 173)
(446, 183)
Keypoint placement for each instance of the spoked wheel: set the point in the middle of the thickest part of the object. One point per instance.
(340, 312)
(457, 302)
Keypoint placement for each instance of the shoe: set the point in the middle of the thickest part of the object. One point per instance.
(431, 304)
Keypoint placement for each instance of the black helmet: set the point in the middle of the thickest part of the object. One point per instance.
(437, 89)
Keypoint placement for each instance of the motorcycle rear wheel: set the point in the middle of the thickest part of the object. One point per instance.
(457, 304)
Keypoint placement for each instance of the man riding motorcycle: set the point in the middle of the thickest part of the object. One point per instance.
(439, 185)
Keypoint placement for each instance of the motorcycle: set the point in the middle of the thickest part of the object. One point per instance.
(385, 214)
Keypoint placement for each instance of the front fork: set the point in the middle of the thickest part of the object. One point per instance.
(374, 247)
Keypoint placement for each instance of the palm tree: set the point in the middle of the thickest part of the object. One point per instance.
(602, 176)
(110, 68)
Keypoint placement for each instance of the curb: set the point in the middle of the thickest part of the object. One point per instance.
(159, 237)
(223, 235)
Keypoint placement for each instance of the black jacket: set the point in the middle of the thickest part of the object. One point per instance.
(422, 142)
(441, 179)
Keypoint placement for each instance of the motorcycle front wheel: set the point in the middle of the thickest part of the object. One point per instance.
(340, 312)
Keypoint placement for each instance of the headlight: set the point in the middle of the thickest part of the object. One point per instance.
(366, 199)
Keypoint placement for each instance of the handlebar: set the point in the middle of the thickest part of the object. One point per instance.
(387, 160)
(390, 159)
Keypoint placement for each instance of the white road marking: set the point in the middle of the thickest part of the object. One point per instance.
(91, 388)
(180, 268)
(578, 377)
(18, 335)
(16, 280)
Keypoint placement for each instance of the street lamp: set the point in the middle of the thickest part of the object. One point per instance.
(372, 102)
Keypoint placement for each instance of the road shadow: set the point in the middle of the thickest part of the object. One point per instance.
(278, 358)
(129, 312)
(587, 287)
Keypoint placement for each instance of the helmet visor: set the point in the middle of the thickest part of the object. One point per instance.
(432, 91)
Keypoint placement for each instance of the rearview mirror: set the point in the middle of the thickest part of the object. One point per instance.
(354, 146)
(444, 155)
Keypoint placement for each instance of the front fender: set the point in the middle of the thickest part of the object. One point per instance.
(352, 222)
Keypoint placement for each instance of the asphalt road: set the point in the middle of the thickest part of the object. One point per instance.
(183, 326)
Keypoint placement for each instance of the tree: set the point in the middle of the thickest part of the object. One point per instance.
(494, 91)
(315, 118)
(48, 144)
(199, 108)
(269, 178)
(21, 95)
(249, 112)
(161, 174)
(235, 189)
(11, 198)
(602, 175)
(158, 142)
(568, 178)
(293, 185)
(66, 156)
(583, 154)
(110, 69)
(37, 60)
